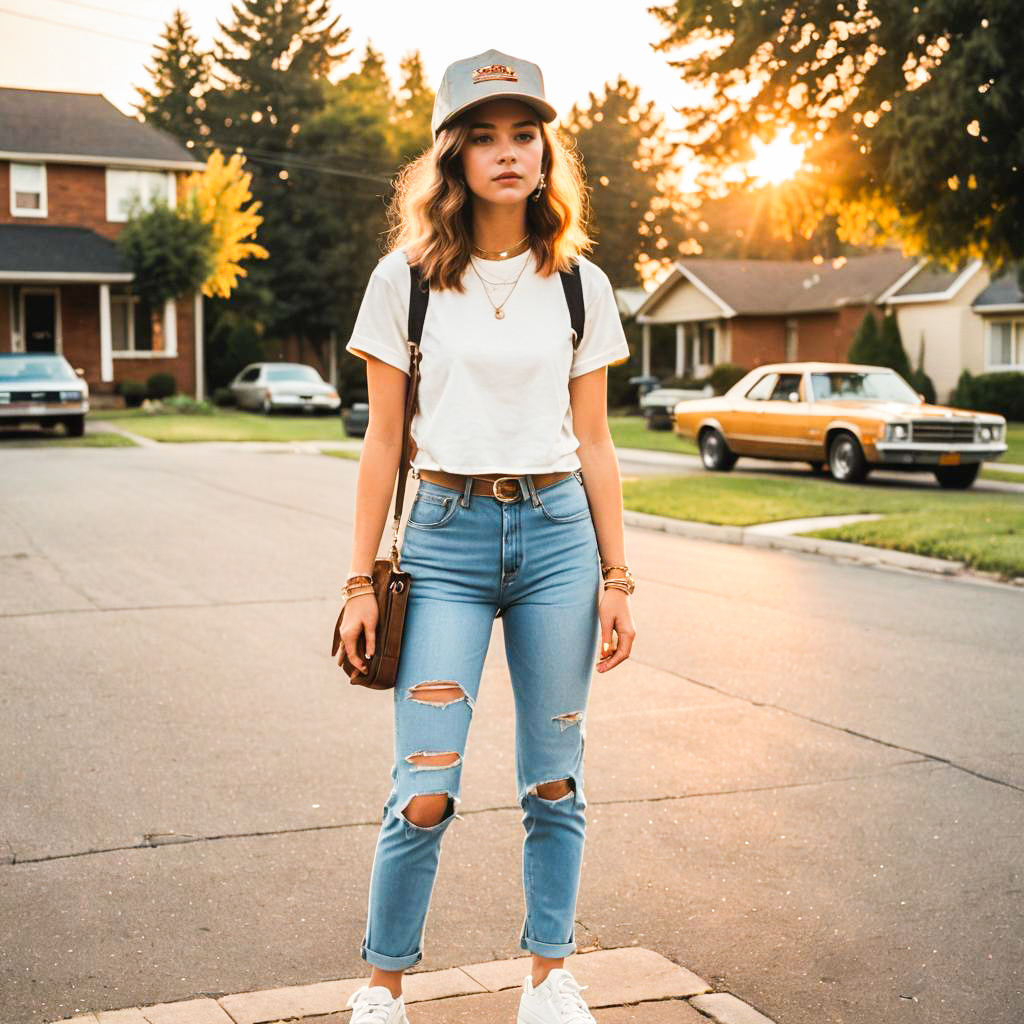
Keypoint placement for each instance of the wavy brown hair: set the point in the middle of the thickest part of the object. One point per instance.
(431, 211)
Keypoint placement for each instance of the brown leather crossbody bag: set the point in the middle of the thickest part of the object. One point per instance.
(391, 584)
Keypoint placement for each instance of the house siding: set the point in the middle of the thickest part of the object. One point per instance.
(76, 197)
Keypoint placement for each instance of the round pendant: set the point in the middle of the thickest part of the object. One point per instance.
(499, 314)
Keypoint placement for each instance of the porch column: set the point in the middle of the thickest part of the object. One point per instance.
(645, 351)
(680, 349)
(170, 327)
(200, 353)
(106, 337)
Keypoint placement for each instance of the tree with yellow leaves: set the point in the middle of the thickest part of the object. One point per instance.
(219, 193)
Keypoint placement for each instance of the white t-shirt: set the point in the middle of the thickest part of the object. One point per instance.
(493, 394)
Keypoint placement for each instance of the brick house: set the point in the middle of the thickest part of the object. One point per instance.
(70, 164)
(752, 312)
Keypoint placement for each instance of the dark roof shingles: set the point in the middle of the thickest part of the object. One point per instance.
(79, 124)
(40, 249)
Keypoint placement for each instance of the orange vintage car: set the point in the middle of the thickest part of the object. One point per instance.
(848, 417)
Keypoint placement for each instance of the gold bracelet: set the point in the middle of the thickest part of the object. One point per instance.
(605, 566)
(359, 576)
(358, 588)
(626, 586)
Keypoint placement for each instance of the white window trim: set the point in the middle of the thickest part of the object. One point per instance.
(114, 216)
(58, 334)
(18, 212)
(1016, 345)
(132, 352)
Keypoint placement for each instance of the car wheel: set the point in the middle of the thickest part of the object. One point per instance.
(714, 452)
(957, 478)
(74, 425)
(846, 459)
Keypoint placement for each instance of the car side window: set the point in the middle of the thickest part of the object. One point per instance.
(762, 390)
(250, 375)
(787, 383)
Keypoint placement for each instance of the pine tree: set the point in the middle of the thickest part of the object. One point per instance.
(413, 108)
(866, 347)
(181, 76)
(919, 380)
(890, 347)
(629, 171)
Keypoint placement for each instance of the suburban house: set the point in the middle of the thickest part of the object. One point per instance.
(70, 165)
(750, 312)
(963, 319)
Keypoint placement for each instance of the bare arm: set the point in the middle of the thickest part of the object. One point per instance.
(588, 395)
(378, 463)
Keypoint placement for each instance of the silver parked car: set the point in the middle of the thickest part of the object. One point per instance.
(274, 386)
(41, 387)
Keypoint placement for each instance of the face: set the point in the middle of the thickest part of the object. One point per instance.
(502, 157)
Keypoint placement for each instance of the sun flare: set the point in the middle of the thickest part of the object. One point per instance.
(776, 161)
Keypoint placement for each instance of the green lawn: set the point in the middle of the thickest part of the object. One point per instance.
(225, 425)
(631, 432)
(104, 439)
(984, 530)
(1015, 443)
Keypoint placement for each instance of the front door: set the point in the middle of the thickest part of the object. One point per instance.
(40, 319)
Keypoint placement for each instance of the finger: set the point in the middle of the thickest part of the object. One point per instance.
(622, 652)
(353, 657)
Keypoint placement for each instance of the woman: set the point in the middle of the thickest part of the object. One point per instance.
(518, 511)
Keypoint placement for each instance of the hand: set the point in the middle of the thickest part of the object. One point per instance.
(358, 617)
(616, 618)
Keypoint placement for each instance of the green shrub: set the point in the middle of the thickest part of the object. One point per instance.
(132, 391)
(186, 404)
(922, 384)
(963, 394)
(161, 385)
(224, 397)
(724, 375)
(866, 347)
(891, 352)
(1001, 393)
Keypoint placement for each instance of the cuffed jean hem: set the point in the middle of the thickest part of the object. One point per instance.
(549, 949)
(390, 963)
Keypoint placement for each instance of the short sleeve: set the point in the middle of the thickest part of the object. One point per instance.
(381, 323)
(604, 341)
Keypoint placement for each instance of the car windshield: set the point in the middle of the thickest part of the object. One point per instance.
(303, 373)
(30, 367)
(866, 386)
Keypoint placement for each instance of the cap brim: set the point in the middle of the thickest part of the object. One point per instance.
(546, 111)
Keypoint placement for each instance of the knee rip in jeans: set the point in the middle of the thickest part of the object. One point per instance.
(425, 811)
(568, 718)
(554, 789)
(439, 692)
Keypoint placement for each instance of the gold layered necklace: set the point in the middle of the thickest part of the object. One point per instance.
(503, 254)
(516, 250)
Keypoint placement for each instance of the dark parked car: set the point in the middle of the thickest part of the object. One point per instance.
(41, 387)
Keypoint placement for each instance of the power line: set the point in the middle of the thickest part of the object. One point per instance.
(79, 28)
(111, 10)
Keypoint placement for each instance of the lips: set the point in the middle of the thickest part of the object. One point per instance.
(508, 177)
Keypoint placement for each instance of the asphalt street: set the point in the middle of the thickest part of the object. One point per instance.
(806, 785)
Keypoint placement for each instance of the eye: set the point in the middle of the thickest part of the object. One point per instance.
(526, 135)
(480, 138)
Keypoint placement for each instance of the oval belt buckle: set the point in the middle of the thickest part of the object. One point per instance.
(506, 500)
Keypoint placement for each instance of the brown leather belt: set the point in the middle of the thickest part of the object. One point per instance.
(504, 488)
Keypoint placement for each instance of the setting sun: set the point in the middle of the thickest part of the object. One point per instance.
(775, 161)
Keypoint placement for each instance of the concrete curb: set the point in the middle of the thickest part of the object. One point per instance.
(629, 976)
(839, 549)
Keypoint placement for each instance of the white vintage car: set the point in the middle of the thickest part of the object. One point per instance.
(41, 387)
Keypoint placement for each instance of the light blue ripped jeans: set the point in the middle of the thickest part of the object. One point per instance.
(534, 562)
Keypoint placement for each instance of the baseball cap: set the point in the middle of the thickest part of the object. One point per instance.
(487, 76)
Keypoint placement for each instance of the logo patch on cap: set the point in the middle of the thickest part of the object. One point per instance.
(494, 73)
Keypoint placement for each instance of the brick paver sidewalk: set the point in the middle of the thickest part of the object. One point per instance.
(624, 986)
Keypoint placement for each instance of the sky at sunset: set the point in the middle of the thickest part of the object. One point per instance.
(577, 45)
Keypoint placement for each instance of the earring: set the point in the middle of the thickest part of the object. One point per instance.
(540, 188)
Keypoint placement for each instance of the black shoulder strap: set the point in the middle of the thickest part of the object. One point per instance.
(573, 288)
(419, 295)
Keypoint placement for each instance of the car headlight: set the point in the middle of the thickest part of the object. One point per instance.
(897, 432)
(983, 432)
(71, 396)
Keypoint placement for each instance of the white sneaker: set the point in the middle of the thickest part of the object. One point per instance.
(376, 1005)
(556, 1000)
